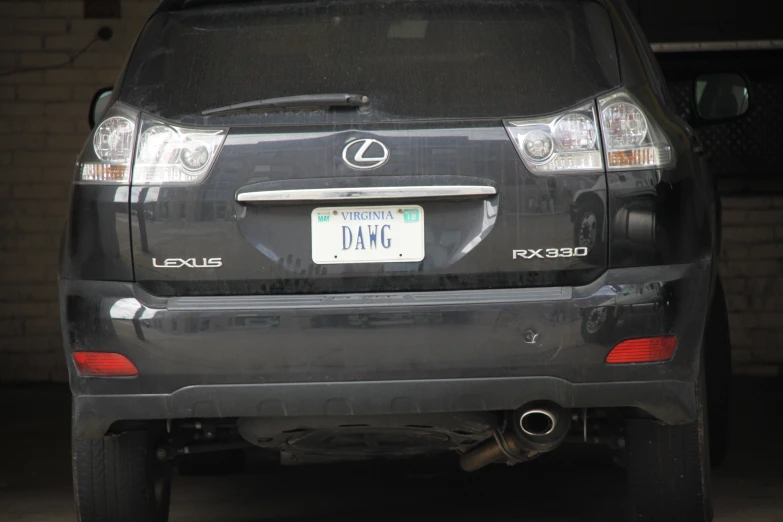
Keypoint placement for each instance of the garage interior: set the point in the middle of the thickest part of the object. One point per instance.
(54, 56)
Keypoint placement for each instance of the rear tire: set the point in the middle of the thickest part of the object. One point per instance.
(717, 363)
(119, 479)
(668, 471)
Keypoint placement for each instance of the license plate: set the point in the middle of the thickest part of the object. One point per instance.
(388, 234)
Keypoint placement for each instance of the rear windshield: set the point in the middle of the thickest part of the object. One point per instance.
(414, 60)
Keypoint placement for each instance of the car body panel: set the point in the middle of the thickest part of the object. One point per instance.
(97, 242)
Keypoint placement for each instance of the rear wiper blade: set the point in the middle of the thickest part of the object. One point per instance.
(306, 100)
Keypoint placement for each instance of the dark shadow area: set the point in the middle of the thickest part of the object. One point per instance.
(576, 483)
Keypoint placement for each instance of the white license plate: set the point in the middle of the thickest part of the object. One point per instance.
(388, 234)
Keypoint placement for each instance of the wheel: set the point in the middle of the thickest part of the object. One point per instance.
(119, 479)
(668, 471)
(717, 342)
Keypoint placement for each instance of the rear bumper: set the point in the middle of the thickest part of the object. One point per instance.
(671, 401)
(381, 354)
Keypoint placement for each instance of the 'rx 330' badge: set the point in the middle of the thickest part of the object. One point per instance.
(549, 253)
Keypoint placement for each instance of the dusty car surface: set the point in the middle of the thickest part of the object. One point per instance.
(353, 230)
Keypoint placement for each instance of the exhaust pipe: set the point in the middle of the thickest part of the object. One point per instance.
(532, 430)
(542, 426)
(505, 446)
(537, 423)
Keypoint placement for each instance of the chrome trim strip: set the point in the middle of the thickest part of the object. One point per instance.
(696, 47)
(279, 303)
(358, 194)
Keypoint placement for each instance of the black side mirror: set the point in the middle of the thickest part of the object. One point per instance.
(98, 105)
(720, 97)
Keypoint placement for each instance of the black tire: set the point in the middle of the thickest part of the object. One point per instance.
(668, 471)
(717, 363)
(119, 479)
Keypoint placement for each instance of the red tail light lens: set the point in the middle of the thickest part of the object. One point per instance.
(646, 350)
(102, 364)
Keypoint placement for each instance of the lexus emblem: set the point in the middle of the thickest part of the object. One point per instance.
(365, 154)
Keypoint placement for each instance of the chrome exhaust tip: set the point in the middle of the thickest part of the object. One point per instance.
(537, 423)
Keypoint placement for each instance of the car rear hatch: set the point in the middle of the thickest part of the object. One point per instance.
(423, 188)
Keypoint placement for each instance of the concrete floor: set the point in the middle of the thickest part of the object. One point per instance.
(576, 484)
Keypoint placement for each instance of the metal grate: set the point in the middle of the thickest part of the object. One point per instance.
(750, 145)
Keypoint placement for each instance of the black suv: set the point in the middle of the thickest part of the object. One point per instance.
(359, 229)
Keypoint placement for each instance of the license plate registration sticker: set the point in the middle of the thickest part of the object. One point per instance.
(387, 234)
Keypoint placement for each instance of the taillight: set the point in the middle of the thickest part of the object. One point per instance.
(632, 140)
(645, 350)
(107, 156)
(149, 152)
(566, 142)
(172, 154)
(569, 142)
(103, 364)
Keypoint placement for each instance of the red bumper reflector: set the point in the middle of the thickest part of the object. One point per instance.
(648, 349)
(102, 364)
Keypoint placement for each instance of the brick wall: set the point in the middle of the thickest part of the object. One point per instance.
(43, 124)
(752, 270)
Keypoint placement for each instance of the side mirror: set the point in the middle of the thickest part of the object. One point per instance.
(721, 96)
(98, 105)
